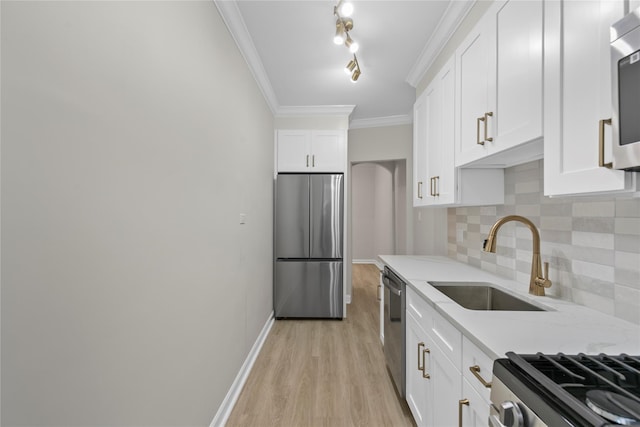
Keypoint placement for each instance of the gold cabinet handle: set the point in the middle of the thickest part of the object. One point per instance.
(486, 124)
(478, 140)
(420, 345)
(436, 186)
(424, 365)
(601, 162)
(307, 160)
(313, 161)
(431, 186)
(461, 403)
(379, 292)
(475, 370)
(419, 189)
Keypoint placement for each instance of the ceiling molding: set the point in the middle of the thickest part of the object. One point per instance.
(381, 121)
(449, 23)
(315, 110)
(233, 19)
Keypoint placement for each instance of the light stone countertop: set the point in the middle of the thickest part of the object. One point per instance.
(567, 327)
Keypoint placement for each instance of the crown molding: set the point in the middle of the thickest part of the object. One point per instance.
(314, 110)
(381, 122)
(453, 16)
(233, 19)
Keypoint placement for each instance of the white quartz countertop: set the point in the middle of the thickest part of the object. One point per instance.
(566, 327)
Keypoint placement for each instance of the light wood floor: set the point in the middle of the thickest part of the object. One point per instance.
(324, 372)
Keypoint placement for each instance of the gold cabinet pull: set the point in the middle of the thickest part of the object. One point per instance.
(420, 345)
(424, 365)
(486, 125)
(431, 186)
(601, 162)
(313, 161)
(307, 160)
(379, 292)
(419, 189)
(461, 403)
(436, 186)
(478, 140)
(475, 370)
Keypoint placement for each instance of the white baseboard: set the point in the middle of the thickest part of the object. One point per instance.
(231, 398)
(363, 261)
(368, 261)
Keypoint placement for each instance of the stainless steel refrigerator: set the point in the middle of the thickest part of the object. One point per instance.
(308, 246)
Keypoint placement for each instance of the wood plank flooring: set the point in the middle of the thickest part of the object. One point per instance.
(324, 372)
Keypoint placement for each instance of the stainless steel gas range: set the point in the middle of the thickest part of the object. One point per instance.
(565, 390)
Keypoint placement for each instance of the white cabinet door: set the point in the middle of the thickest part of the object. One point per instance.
(474, 68)
(446, 382)
(441, 171)
(475, 410)
(518, 81)
(499, 82)
(420, 150)
(417, 368)
(577, 95)
(381, 300)
(328, 151)
(294, 148)
(311, 151)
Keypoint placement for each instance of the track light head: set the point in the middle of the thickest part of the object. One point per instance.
(347, 23)
(345, 8)
(355, 75)
(350, 67)
(353, 46)
(341, 35)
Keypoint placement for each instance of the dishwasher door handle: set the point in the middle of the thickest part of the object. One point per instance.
(392, 289)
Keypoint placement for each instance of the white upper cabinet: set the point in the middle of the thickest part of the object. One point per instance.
(474, 74)
(433, 140)
(437, 180)
(420, 150)
(577, 98)
(499, 82)
(311, 150)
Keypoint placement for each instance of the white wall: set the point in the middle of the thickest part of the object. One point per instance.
(131, 294)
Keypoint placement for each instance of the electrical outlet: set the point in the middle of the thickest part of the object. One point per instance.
(243, 218)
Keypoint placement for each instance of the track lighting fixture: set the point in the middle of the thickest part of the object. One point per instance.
(344, 24)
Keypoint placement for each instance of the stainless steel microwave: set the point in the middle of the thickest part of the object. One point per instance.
(625, 76)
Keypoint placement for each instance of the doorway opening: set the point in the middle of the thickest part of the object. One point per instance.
(378, 210)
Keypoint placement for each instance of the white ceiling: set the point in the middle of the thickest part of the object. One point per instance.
(289, 46)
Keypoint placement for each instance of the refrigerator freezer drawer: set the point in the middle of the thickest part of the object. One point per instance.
(309, 289)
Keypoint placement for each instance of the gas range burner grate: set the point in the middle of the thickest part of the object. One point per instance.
(576, 379)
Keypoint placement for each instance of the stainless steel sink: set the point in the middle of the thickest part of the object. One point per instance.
(483, 296)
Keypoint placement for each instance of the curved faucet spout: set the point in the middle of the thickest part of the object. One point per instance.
(538, 281)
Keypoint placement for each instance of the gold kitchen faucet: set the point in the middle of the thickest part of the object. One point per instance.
(538, 280)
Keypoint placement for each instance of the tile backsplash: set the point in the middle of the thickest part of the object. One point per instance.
(592, 243)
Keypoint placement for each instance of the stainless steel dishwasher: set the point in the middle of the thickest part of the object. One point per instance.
(394, 327)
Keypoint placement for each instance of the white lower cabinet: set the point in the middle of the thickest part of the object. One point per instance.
(418, 385)
(447, 388)
(474, 410)
(446, 373)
